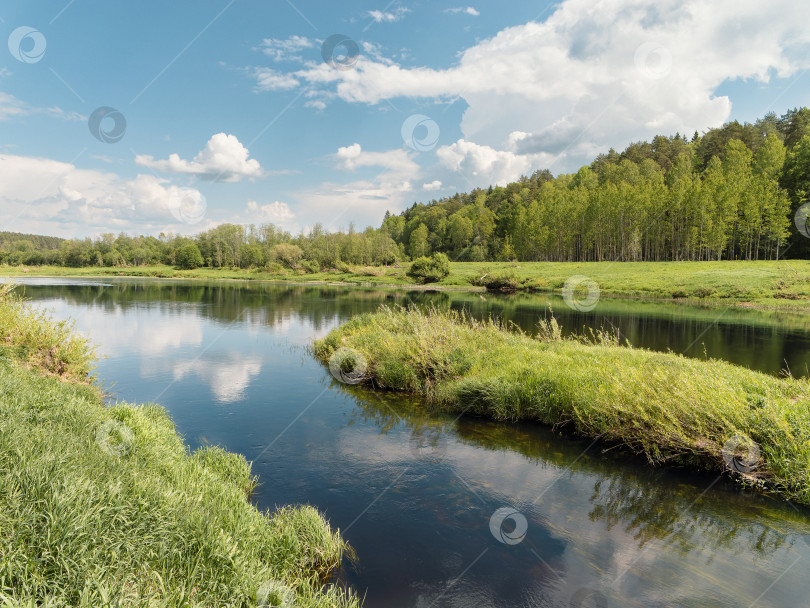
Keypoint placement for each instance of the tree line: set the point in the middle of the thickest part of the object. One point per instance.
(730, 193)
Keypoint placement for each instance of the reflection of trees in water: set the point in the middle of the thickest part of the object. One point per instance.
(671, 513)
(755, 339)
(654, 504)
(265, 304)
(649, 504)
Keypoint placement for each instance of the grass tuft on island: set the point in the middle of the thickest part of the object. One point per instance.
(105, 506)
(706, 414)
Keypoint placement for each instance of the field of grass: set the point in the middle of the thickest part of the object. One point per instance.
(360, 274)
(105, 506)
(780, 283)
(768, 284)
(706, 414)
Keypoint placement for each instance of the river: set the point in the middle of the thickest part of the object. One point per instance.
(443, 511)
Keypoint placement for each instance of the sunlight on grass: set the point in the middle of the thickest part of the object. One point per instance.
(105, 506)
(665, 406)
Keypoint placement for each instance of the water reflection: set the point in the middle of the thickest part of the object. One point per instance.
(415, 493)
(769, 341)
(598, 519)
(228, 375)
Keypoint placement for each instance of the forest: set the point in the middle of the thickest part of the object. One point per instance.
(728, 194)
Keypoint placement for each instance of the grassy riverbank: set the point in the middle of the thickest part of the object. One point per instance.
(105, 506)
(706, 414)
(766, 285)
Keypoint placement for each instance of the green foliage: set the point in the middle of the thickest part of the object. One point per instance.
(429, 270)
(311, 266)
(188, 257)
(419, 241)
(29, 336)
(665, 406)
(251, 256)
(288, 254)
(29, 249)
(796, 176)
(505, 280)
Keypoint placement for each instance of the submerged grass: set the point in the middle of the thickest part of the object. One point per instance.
(105, 506)
(708, 414)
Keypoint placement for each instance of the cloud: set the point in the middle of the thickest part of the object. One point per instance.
(481, 164)
(432, 186)
(390, 17)
(587, 79)
(268, 79)
(353, 157)
(285, 50)
(387, 187)
(468, 10)
(47, 196)
(363, 202)
(274, 213)
(12, 107)
(375, 51)
(224, 159)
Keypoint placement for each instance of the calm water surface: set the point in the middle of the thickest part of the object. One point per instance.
(415, 495)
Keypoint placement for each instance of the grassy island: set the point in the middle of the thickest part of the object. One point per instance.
(105, 506)
(705, 414)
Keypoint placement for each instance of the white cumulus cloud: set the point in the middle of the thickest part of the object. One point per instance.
(47, 196)
(224, 159)
(353, 157)
(273, 213)
(481, 164)
(586, 79)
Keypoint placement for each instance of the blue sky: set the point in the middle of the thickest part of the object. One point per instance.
(232, 114)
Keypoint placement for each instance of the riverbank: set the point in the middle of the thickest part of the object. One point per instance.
(705, 414)
(105, 506)
(783, 285)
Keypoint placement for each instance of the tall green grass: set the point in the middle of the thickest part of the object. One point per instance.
(105, 506)
(31, 337)
(708, 414)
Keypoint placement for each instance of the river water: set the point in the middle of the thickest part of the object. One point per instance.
(443, 511)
